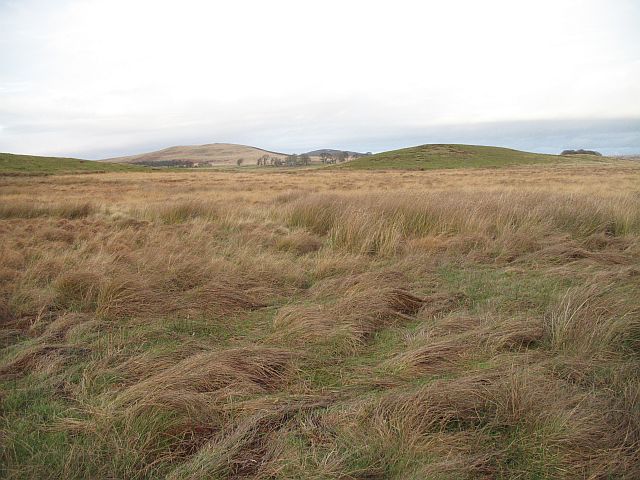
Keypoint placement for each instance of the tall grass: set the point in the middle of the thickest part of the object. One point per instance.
(70, 210)
(380, 224)
(321, 325)
(180, 211)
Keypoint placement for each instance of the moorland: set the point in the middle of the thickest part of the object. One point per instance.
(335, 322)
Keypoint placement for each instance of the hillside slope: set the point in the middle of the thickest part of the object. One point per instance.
(431, 156)
(12, 164)
(214, 154)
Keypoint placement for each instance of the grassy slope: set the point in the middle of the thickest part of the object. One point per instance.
(452, 156)
(218, 153)
(11, 164)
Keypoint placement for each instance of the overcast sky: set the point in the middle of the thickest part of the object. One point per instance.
(99, 78)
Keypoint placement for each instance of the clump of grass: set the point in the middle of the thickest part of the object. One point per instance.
(180, 403)
(299, 242)
(181, 211)
(247, 370)
(382, 224)
(70, 210)
(366, 304)
(125, 296)
(359, 233)
(76, 290)
(587, 321)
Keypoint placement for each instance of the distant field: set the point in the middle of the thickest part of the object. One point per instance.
(11, 164)
(436, 156)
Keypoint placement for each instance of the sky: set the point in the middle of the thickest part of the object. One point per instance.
(101, 78)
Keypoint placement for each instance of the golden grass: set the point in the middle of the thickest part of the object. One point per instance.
(322, 324)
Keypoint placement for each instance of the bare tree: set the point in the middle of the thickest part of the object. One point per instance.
(291, 160)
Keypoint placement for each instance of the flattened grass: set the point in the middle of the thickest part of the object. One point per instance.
(237, 331)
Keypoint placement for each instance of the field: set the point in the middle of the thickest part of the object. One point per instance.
(319, 324)
(438, 156)
(11, 164)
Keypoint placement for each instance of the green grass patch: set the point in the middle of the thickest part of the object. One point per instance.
(31, 448)
(436, 156)
(11, 164)
(503, 289)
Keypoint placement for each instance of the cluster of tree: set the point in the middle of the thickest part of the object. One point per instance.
(581, 152)
(288, 161)
(301, 160)
(334, 158)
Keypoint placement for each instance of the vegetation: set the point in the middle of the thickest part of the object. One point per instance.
(165, 163)
(581, 152)
(322, 324)
(427, 157)
(11, 164)
(293, 160)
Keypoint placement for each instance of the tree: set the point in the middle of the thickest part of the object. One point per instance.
(240, 161)
(291, 160)
(342, 156)
(581, 152)
(305, 159)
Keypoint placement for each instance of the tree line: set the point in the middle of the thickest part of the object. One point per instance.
(295, 160)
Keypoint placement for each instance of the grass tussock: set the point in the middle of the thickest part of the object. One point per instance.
(210, 376)
(365, 304)
(588, 321)
(382, 224)
(299, 242)
(69, 210)
(181, 211)
(322, 324)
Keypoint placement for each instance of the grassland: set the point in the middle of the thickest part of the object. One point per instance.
(214, 153)
(11, 164)
(320, 324)
(438, 156)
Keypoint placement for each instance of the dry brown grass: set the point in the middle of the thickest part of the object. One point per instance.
(322, 324)
(365, 304)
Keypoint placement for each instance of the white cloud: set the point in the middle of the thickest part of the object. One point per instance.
(94, 75)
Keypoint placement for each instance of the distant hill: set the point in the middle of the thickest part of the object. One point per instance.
(330, 151)
(12, 164)
(213, 154)
(434, 156)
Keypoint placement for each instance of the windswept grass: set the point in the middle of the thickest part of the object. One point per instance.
(381, 224)
(321, 324)
(70, 210)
